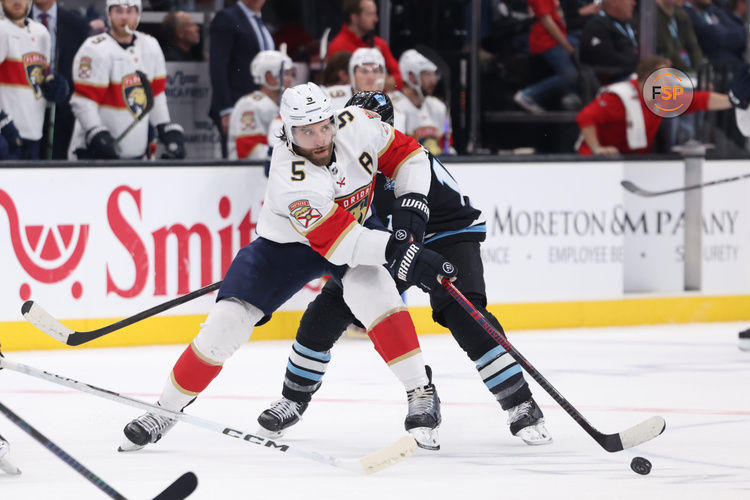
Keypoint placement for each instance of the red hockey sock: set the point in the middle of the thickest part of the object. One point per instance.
(395, 338)
(193, 371)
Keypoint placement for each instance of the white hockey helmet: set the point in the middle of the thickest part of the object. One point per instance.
(302, 105)
(412, 61)
(365, 56)
(126, 3)
(270, 60)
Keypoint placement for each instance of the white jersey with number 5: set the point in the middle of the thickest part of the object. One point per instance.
(24, 56)
(324, 207)
(109, 93)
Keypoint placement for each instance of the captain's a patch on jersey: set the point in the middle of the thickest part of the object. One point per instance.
(304, 215)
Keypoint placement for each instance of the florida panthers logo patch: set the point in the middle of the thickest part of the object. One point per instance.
(34, 65)
(247, 120)
(304, 215)
(84, 68)
(133, 94)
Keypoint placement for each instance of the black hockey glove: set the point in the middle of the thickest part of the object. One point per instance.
(10, 133)
(411, 262)
(173, 137)
(411, 212)
(55, 89)
(739, 93)
(100, 144)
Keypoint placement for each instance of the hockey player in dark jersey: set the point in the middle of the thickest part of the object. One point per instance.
(450, 226)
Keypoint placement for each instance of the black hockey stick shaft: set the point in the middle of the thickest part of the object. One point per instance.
(146, 108)
(629, 186)
(77, 338)
(610, 442)
(60, 453)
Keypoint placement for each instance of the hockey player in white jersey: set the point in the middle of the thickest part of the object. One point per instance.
(25, 86)
(109, 95)
(366, 73)
(427, 118)
(250, 130)
(315, 221)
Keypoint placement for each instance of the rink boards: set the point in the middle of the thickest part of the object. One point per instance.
(566, 245)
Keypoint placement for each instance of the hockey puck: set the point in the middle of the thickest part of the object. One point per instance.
(640, 466)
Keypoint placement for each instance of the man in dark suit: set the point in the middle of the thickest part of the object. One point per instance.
(67, 32)
(237, 35)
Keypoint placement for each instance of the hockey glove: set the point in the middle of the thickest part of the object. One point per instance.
(173, 137)
(55, 89)
(101, 145)
(10, 133)
(411, 212)
(411, 262)
(739, 93)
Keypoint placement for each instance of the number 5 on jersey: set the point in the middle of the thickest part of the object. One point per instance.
(297, 173)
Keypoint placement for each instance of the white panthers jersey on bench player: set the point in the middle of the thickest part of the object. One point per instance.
(249, 126)
(24, 57)
(339, 95)
(324, 207)
(109, 93)
(425, 121)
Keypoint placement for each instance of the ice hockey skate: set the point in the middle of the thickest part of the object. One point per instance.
(424, 414)
(282, 414)
(744, 344)
(5, 464)
(527, 422)
(148, 428)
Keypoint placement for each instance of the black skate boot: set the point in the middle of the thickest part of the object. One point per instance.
(424, 414)
(148, 428)
(282, 414)
(745, 340)
(527, 422)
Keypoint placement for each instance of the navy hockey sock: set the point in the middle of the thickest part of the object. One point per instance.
(304, 373)
(503, 377)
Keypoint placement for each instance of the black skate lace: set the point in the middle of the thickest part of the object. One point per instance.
(154, 424)
(284, 408)
(421, 399)
(519, 411)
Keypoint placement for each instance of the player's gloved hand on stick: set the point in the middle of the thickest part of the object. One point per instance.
(409, 261)
(100, 144)
(55, 89)
(173, 137)
(411, 212)
(10, 134)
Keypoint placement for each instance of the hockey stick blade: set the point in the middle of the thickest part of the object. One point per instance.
(645, 431)
(183, 487)
(374, 462)
(42, 320)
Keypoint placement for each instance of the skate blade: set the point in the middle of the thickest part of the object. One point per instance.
(535, 435)
(268, 434)
(127, 445)
(426, 438)
(9, 468)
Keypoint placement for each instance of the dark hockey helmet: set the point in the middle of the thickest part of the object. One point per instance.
(377, 101)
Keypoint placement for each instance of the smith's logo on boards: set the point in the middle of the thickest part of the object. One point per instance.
(48, 253)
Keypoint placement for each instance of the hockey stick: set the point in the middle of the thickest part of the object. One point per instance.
(149, 104)
(645, 431)
(37, 316)
(645, 192)
(181, 488)
(374, 462)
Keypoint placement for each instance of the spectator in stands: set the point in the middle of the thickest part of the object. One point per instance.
(68, 30)
(675, 37)
(358, 31)
(720, 42)
(737, 13)
(548, 39)
(577, 13)
(610, 42)
(237, 35)
(300, 44)
(618, 120)
(182, 35)
(336, 71)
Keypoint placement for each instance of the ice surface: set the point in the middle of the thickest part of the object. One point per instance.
(692, 375)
